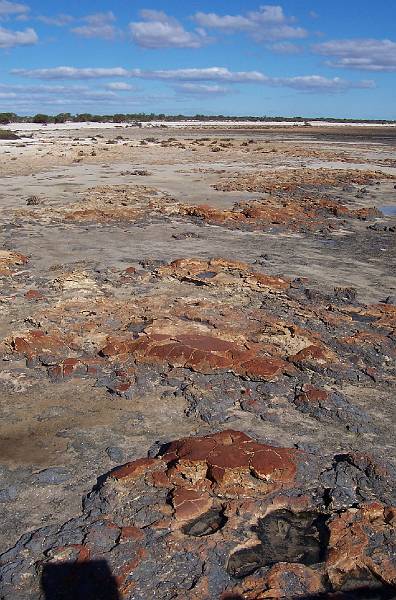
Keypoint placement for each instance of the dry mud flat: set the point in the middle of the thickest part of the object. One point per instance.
(234, 293)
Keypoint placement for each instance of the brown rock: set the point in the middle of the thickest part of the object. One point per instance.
(355, 547)
(189, 504)
(281, 582)
(233, 462)
(133, 470)
(33, 295)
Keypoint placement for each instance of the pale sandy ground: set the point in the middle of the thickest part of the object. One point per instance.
(187, 124)
(57, 165)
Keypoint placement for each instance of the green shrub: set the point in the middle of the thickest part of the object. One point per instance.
(7, 135)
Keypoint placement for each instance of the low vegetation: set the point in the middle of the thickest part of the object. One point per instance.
(7, 135)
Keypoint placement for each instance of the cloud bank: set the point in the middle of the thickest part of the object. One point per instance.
(10, 39)
(308, 83)
(98, 25)
(8, 9)
(266, 24)
(362, 54)
(159, 30)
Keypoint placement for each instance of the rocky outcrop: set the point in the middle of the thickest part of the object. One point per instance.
(284, 350)
(292, 179)
(9, 261)
(296, 201)
(216, 516)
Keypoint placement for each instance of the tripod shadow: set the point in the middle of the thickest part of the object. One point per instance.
(91, 580)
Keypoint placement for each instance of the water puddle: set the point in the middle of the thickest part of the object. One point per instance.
(388, 211)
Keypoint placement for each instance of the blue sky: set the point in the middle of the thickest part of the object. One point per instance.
(311, 58)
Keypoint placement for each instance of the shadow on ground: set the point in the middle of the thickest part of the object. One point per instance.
(91, 580)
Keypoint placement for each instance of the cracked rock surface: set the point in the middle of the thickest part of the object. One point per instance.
(223, 516)
(197, 383)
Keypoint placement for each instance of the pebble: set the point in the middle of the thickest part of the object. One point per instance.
(115, 454)
(53, 476)
(8, 494)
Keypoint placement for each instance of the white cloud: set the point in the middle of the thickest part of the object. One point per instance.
(159, 30)
(43, 89)
(98, 25)
(105, 32)
(71, 73)
(8, 9)
(192, 77)
(58, 21)
(362, 54)
(10, 39)
(317, 83)
(101, 18)
(266, 24)
(285, 48)
(55, 94)
(99, 94)
(200, 89)
(49, 98)
(208, 74)
(120, 86)
(228, 23)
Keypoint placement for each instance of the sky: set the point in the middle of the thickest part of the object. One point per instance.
(312, 58)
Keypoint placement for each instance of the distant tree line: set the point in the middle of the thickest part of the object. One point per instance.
(136, 118)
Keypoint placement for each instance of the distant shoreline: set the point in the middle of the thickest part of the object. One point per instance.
(192, 124)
